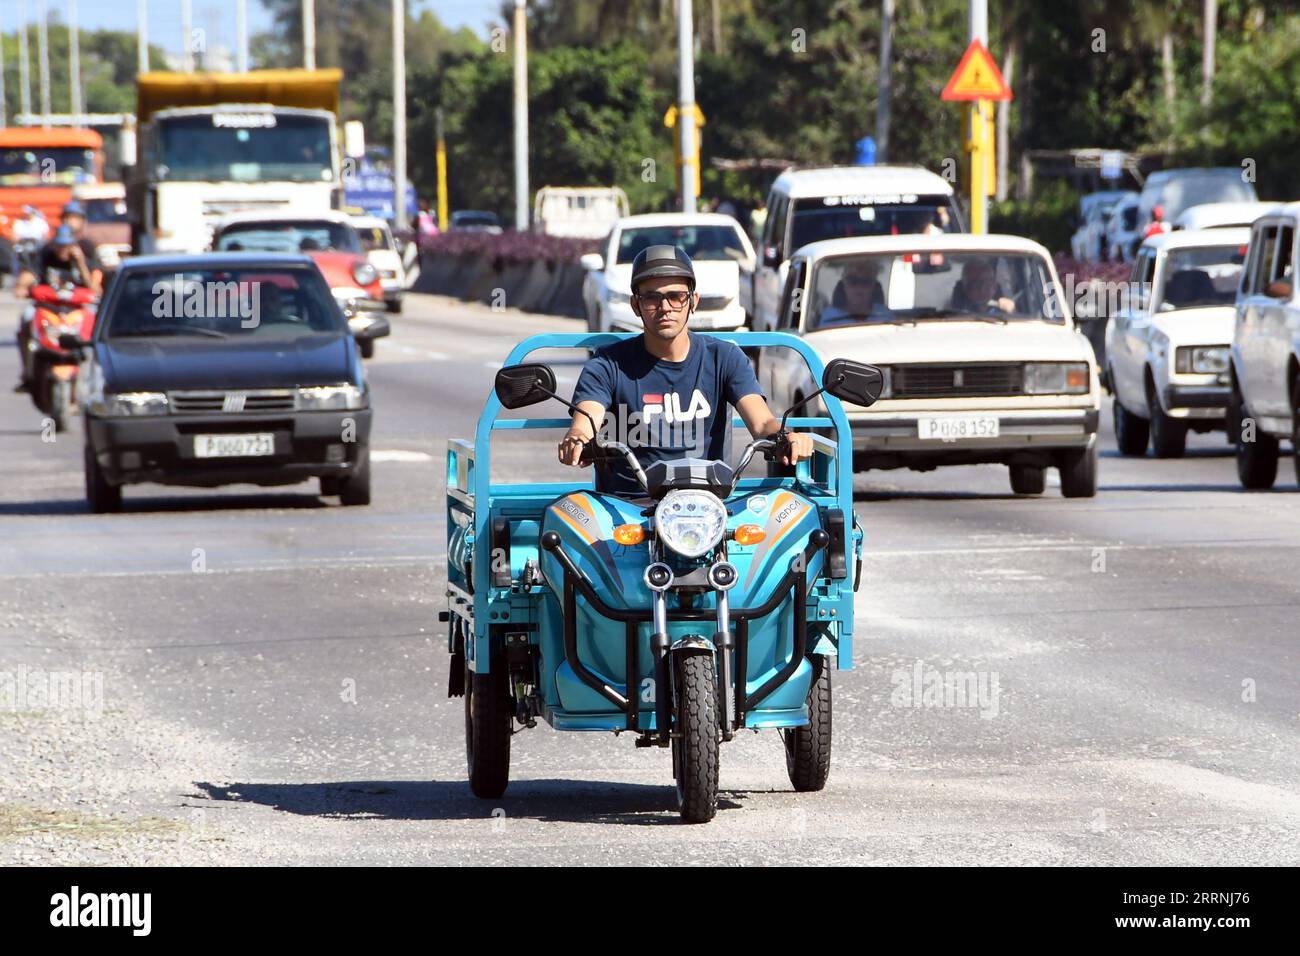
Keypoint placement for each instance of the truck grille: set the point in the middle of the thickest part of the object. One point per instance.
(231, 401)
(956, 381)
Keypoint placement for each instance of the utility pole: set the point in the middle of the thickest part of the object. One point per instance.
(399, 115)
(24, 68)
(187, 28)
(521, 116)
(1207, 60)
(4, 101)
(43, 46)
(142, 35)
(241, 35)
(309, 34)
(686, 104)
(74, 53)
(978, 116)
(883, 103)
(441, 153)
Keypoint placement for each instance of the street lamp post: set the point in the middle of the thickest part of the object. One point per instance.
(521, 116)
(399, 115)
(686, 104)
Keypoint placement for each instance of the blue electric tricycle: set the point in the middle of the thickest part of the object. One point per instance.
(705, 604)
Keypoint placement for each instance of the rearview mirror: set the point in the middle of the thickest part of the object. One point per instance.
(592, 262)
(854, 382)
(373, 327)
(519, 386)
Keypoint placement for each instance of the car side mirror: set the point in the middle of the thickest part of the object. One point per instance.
(519, 386)
(854, 382)
(770, 257)
(375, 328)
(593, 262)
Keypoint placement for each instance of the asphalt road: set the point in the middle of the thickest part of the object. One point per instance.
(256, 676)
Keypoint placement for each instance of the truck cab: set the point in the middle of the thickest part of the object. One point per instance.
(217, 144)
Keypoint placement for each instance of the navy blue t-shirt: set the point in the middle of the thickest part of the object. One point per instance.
(664, 409)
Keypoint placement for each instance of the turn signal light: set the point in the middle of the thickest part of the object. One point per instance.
(1076, 378)
(750, 534)
(629, 534)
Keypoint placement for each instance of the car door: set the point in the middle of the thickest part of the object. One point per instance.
(1275, 332)
(781, 367)
(770, 274)
(1246, 335)
(599, 278)
(1131, 335)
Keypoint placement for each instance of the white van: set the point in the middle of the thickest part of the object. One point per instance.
(587, 212)
(1266, 350)
(839, 202)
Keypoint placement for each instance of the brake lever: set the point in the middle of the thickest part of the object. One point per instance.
(780, 447)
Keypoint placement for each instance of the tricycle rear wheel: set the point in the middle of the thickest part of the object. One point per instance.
(808, 749)
(488, 712)
(695, 738)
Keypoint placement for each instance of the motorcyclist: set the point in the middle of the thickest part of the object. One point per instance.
(667, 390)
(60, 262)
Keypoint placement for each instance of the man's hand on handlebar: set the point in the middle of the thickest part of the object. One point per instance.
(571, 449)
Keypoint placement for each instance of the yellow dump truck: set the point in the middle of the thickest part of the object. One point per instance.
(211, 144)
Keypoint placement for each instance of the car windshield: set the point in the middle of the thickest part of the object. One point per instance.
(702, 242)
(475, 219)
(46, 166)
(1183, 192)
(245, 147)
(263, 302)
(373, 237)
(842, 217)
(931, 286)
(105, 210)
(1206, 275)
(305, 235)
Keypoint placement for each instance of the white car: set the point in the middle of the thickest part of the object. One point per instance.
(1119, 237)
(381, 252)
(1264, 406)
(716, 244)
(1221, 215)
(810, 205)
(982, 360)
(1167, 350)
(1094, 210)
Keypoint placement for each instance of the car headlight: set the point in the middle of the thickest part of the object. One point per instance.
(1201, 360)
(323, 398)
(129, 403)
(364, 273)
(619, 298)
(1056, 378)
(690, 522)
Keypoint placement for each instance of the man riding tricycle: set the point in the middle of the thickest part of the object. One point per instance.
(673, 597)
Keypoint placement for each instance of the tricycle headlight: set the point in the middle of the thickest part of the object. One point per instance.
(690, 522)
(130, 403)
(1056, 378)
(323, 398)
(1202, 360)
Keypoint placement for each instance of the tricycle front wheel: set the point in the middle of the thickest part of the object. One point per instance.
(808, 749)
(695, 738)
(488, 712)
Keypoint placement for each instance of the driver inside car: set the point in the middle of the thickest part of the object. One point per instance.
(978, 290)
(667, 390)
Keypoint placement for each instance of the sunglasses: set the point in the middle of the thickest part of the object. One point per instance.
(655, 300)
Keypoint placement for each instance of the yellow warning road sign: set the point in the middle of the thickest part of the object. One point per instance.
(977, 77)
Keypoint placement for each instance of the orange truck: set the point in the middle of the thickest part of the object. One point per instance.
(39, 167)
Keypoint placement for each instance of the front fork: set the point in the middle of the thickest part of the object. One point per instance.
(722, 576)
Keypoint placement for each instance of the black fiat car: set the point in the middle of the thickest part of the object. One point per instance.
(220, 369)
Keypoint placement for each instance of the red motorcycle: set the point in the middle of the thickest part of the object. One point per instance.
(51, 370)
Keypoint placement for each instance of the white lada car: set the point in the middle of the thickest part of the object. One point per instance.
(1168, 350)
(982, 360)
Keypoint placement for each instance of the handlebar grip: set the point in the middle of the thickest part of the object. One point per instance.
(780, 446)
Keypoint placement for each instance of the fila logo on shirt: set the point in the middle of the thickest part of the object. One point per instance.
(670, 407)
